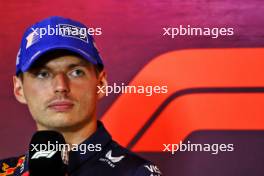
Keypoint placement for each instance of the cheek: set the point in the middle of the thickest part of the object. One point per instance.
(35, 94)
(87, 96)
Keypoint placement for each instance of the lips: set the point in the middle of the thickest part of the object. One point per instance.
(61, 105)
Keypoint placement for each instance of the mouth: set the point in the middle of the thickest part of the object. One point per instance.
(61, 105)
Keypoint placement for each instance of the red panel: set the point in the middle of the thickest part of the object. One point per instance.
(181, 70)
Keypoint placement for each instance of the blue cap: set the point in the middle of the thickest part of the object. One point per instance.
(55, 33)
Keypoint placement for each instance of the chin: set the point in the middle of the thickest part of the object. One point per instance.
(64, 125)
(62, 121)
(56, 122)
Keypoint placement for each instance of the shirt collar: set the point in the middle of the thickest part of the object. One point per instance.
(99, 137)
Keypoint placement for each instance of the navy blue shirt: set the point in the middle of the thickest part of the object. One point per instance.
(104, 157)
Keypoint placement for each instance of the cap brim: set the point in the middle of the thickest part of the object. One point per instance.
(38, 54)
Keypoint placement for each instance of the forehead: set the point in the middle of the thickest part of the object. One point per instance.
(60, 59)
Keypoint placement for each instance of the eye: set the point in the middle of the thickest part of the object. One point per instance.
(77, 73)
(43, 74)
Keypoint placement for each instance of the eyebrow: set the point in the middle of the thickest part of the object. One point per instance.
(80, 63)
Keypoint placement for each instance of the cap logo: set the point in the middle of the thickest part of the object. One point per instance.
(32, 38)
(67, 30)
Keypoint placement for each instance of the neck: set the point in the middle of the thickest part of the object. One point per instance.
(77, 137)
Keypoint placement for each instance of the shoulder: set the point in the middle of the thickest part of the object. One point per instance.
(131, 162)
(10, 164)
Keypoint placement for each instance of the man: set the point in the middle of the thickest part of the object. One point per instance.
(58, 74)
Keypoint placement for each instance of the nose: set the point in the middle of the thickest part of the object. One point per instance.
(61, 84)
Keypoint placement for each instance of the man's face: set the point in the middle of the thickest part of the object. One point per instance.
(61, 92)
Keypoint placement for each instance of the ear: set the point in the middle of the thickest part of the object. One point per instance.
(102, 78)
(18, 90)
